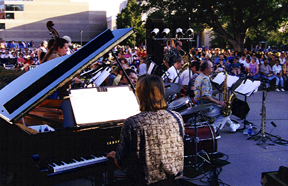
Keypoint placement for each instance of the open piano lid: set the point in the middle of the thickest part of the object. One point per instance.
(30, 89)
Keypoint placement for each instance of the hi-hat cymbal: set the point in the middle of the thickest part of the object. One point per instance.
(172, 88)
(195, 109)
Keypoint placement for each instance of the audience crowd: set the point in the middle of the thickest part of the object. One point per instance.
(255, 64)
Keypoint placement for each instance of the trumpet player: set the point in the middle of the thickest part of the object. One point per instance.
(203, 95)
(172, 54)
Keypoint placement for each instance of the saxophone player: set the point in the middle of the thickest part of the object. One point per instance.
(203, 94)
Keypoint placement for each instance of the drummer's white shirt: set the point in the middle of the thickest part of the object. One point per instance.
(184, 77)
(173, 74)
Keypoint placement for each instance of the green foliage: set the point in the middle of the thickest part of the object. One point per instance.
(10, 75)
(231, 20)
(131, 16)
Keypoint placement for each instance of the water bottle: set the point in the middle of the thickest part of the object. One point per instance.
(250, 130)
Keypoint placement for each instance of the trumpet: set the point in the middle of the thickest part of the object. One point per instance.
(185, 66)
(185, 55)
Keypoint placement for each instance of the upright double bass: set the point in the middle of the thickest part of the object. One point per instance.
(52, 30)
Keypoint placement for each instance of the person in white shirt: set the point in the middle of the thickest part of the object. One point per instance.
(242, 60)
(277, 71)
(185, 77)
(282, 58)
(173, 71)
(142, 67)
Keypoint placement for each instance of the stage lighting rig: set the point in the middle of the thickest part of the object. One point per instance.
(179, 32)
(166, 32)
(155, 32)
(190, 32)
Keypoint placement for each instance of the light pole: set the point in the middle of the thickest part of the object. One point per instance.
(81, 31)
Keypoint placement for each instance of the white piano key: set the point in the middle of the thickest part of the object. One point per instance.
(77, 164)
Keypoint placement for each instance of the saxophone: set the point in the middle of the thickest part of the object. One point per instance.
(229, 100)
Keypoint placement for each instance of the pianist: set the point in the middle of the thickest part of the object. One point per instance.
(151, 142)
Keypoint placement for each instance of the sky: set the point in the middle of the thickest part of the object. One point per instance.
(112, 7)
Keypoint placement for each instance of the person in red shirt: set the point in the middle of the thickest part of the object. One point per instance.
(28, 61)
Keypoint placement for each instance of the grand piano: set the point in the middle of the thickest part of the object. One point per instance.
(40, 143)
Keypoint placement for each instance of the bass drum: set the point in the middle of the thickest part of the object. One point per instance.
(207, 139)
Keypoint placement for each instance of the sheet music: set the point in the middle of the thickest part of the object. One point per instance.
(219, 79)
(248, 87)
(104, 74)
(151, 67)
(115, 103)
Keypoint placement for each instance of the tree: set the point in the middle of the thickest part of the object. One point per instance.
(131, 16)
(232, 20)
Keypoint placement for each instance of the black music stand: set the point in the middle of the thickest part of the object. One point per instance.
(246, 88)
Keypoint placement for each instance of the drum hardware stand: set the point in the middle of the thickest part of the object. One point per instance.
(197, 165)
(196, 140)
(262, 135)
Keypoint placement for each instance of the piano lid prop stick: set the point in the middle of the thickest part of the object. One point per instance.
(125, 74)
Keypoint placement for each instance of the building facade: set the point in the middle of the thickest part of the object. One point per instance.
(25, 20)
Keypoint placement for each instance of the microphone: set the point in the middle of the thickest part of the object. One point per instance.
(274, 125)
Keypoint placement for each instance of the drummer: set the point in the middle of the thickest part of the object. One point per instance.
(173, 71)
(203, 95)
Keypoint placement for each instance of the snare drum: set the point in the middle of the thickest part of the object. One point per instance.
(181, 104)
(207, 139)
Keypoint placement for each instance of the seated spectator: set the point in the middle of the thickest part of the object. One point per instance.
(28, 61)
(277, 71)
(242, 60)
(231, 57)
(220, 67)
(20, 61)
(266, 73)
(142, 67)
(253, 69)
(282, 58)
(124, 63)
(235, 66)
(246, 65)
(285, 74)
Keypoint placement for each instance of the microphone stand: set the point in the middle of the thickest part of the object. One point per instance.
(262, 135)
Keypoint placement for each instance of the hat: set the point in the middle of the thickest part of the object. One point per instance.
(28, 56)
(67, 38)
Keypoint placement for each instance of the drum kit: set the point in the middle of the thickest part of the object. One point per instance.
(199, 137)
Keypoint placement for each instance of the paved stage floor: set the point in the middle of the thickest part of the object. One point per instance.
(247, 159)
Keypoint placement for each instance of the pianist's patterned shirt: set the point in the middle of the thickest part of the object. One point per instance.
(151, 146)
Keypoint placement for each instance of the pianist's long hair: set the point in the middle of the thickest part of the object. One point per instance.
(150, 93)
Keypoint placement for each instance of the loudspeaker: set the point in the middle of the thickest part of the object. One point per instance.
(275, 178)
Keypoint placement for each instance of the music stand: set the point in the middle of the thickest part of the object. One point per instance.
(247, 88)
(95, 105)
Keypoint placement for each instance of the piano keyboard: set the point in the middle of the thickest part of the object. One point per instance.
(81, 162)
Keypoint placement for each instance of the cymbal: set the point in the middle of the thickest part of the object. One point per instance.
(195, 109)
(172, 88)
